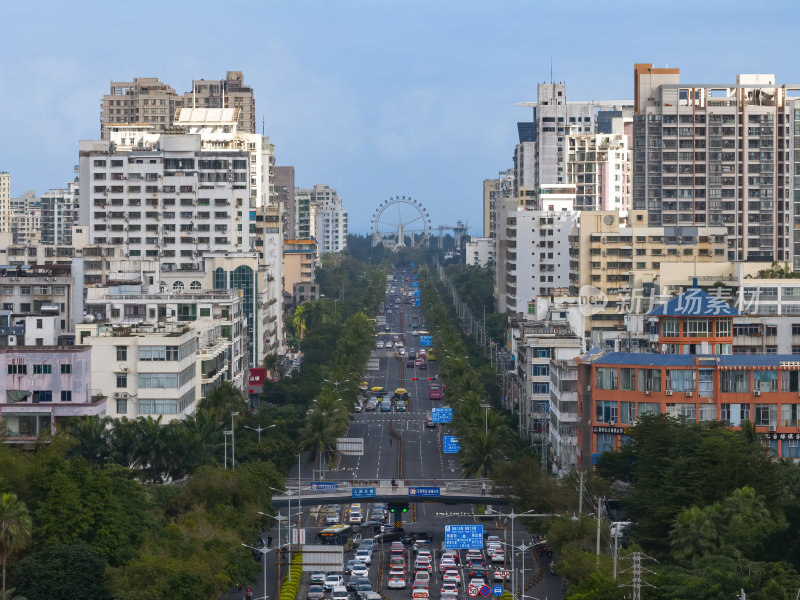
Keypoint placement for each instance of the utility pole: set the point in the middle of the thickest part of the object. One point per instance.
(233, 442)
(580, 497)
(637, 575)
(615, 533)
(599, 506)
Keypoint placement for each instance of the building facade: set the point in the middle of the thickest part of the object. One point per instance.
(145, 101)
(230, 92)
(479, 252)
(719, 155)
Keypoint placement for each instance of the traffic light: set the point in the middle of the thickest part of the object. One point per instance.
(398, 507)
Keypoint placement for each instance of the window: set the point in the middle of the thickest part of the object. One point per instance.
(681, 380)
(734, 381)
(43, 369)
(122, 380)
(627, 412)
(698, 327)
(789, 381)
(649, 408)
(122, 406)
(42, 396)
(122, 352)
(205, 312)
(790, 448)
(540, 388)
(707, 412)
(605, 442)
(765, 381)
(649, 380)
(66, 395)
(734, 414)
(705, 383)
(670, 328)
(765, 415)
(606, 378)
(627, 379)
(17, 369)
(681, 410)
(606, 411)
(66, 369)
(540, 370)
(723, 328)
(541, 352)
(789, 415)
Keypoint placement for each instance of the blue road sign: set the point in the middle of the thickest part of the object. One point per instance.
(497, 590)
(413, 264)
(485, 590)
(424, 491)
(463, 537)
(416, 302)
(324, 485)
(363, 492)
(442, 414)
(416, 293)
(450, 444)
(415, 284)
(426, 340)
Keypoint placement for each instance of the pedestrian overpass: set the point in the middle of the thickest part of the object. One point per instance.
(442, 491)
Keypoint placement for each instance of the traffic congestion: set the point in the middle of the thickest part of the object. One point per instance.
(397, 550)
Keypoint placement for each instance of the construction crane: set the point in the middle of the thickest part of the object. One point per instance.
(459, 230)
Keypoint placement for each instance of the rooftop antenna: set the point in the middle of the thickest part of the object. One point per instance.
(551, 69)
(194, 93)
(262, 125)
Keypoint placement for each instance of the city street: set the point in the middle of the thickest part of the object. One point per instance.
(422, 459)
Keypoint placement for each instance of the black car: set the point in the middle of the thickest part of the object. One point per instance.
(390, 534)
(417, 536)
(362, 588)
(479, 573)
(410, 363)
(355, 581)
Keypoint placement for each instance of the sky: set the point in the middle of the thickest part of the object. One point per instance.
(375, 98)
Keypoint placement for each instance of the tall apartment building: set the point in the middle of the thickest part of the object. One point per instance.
(330, 220)
(302, 215)
(720, 155)
(25, 218)
(144, 101)
(598, 167)
(230, 92)
(165, 197)
(532, 253)
(59, 214)
(479, 252)
(5, 200)
(541, 156)
(498, 194)
(284, 197)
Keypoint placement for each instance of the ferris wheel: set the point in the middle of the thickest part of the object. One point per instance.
(400, 222)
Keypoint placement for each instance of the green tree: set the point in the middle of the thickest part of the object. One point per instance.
(15, 529)
(62, 571)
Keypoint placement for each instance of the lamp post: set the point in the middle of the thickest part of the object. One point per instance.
(259, 429)
(264, 552)
(513, 516)
(486, 406)
(225, 440)
(233, 442)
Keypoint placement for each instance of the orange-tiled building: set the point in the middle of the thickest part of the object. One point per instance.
(692, 379)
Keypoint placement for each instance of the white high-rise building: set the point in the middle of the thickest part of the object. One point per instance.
(5, 200)
(533, 250)
(330, 220)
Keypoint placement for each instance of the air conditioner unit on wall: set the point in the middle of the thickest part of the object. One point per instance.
(668, 392)
(756, 392)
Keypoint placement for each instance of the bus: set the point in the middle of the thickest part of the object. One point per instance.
(401, 394)
(339, 535)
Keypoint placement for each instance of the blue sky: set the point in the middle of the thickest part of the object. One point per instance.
(375, 98)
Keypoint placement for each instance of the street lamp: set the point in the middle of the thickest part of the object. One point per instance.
(513, 516)
(279, 518)
(336, 384)
(263, 551)
(486, 406)
(233, 442)
(259, 429)
(226, 433)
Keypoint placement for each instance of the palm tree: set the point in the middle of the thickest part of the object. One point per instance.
(693, 535)
(319, 434)
(9, 595)
(91, 438)
(480, 451)
(15, 528)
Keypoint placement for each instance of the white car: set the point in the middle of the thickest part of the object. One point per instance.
(395, 571)
(423, 562)
(449, 587)
(502, 575)
(396, 582)
(446, 564)
(364, 555)
(401, 351)
(333, 580)
(355, 517)
(422, 576)
(452, 575)
(379, 345)
(340, 593)
(360, 568)
(389, 343)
